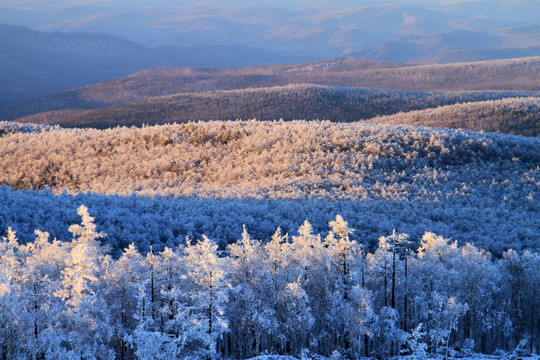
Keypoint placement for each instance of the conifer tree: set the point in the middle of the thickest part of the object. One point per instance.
(43, 265)
(250, 316)
(85, 317)
(11, 303)
(207, 285)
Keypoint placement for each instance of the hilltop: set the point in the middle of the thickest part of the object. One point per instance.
(520, 116)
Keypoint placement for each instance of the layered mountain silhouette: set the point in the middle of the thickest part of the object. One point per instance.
(70, 45)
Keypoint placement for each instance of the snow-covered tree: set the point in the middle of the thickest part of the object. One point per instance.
(207, 286)
(41, 277)
(12, 308)
(166, 324)
(86, 330)
(344, 322)
(251, 316)
(122, 285)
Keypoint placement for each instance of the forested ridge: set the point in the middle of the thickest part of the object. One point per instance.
(299, 159)
(311, 102)
(520, 74)
(510, 116)
(299, 294)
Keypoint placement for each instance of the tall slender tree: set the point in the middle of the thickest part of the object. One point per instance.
(85, 317)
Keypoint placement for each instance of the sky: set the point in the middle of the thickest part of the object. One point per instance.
(522, 10)
(177, 3)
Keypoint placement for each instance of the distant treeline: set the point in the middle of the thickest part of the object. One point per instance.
(291, 102)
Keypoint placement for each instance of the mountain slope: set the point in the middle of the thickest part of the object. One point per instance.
(511, 116)
(516, 74)
(35, 63)
(288, 103)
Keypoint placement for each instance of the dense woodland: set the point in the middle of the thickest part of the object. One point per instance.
(291, 102)
(510, 116)
(172, 268)
(295, 294)
(498, 75)
(380, 178)
(299, 159)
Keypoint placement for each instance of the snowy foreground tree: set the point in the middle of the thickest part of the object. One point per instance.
(292, 295)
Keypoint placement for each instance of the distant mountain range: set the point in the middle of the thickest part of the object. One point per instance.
(35, 63)
(64, 45)
(459, 45)
(305, 31)
(316, 32)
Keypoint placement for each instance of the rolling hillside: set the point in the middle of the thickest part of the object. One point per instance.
(520, 116)
(288, 103)
(46, 50)
(509, 75)
(477, 187)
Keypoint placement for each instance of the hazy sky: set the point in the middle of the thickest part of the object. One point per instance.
(512, 10)
(176, 3)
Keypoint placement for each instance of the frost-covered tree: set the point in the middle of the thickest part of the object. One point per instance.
(71, 300)
(478, 287)
(207, 284)
(167, 324)
(444, 317)
(251, 317)
(41, 277)
(124, 277)
(296, 318)
(417, 347)
(387, 336)
(432, 277)
(344, 254)
(308, 284)
(346, 309)
(85, 319)
(521, 302)
(379, 267)
(277, 254)
(11, 303)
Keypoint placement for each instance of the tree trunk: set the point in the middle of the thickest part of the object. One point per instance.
(405, 296)
(394, 277)
(385, 286)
